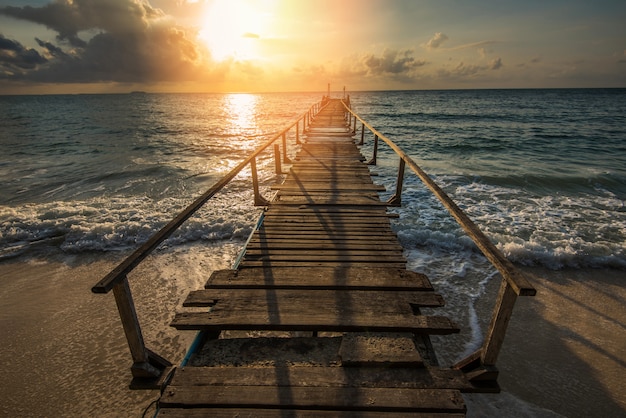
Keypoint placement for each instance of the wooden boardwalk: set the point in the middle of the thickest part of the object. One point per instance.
(321, 318)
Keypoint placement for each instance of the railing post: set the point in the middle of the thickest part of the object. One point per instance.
(499, 322)
(396, 199)
(146, 365)
(354, 128)
(362, 134)
(285, 158)
(373, 160)
(298, 132)
(277, 164)
(258, 199)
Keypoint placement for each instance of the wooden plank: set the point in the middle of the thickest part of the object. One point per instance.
(372, 399)
(337, 187)
(332, 232)
(329, 200)
(331, 258)
(384, 350)
(310, 299)
(316, 241)
(311, 264)
(324, 255)
(366, 278)
(295, 217)
(294, 233)
(292, 413)
(328, 245)
(331, 210)
(312, 224)
(312, 376)
(320, 320)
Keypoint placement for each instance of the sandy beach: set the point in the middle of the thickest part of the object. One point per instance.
(565, 349)
(64, 353)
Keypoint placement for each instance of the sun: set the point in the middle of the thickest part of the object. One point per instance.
(233, 28)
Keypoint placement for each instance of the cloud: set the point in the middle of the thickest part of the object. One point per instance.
(391, 62)
(15, 58)
(130, 42)
(53, 50)
(436, 41)
(68, 18)
(478, 45)
(251, 35)
(495, 64)
(468, 72)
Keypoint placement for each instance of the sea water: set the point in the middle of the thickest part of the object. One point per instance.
(541, 172)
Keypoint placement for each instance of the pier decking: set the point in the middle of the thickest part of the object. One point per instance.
(320, 316)
(326, 267)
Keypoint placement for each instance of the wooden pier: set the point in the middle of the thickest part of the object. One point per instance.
(320, 317)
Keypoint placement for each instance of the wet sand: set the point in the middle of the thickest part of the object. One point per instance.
(63, 349)
(565, 349)
(64, 352)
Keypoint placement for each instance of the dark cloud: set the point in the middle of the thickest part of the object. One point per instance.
(15, 58)
(391, 62)
(52, 49)
(133, 42)
(68, 18)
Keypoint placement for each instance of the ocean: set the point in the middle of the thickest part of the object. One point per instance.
(88, 178)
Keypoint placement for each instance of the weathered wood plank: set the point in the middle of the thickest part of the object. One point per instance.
(292, 413)
(311, 264)
(329, 200)
(331, 258)
(325, 226)
(316, 245)
(310, 299)
(371, 236)
(372, 399)
(324, 255)
(327, 320)
(366, 278)
(295, 217)
(315, 241)
(331, 210)
(318, 187)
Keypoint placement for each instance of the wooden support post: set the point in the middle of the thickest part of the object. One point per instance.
(362, 134)
(396, 199)
(354, 128)
(285, 158)
(277, 164)
(499, 322)
(298, 132)
(258, 199)
(373, 160)
(146, 365)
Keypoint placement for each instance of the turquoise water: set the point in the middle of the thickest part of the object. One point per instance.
(542, 172)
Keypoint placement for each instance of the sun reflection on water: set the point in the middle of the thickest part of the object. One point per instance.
(241, 109)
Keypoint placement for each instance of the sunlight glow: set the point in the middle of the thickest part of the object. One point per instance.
(232, 29)
(242, 109)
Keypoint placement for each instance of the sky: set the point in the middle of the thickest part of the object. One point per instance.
(110, 46)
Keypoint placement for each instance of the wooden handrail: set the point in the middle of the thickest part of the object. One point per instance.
(118, 274)
(516, 280)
